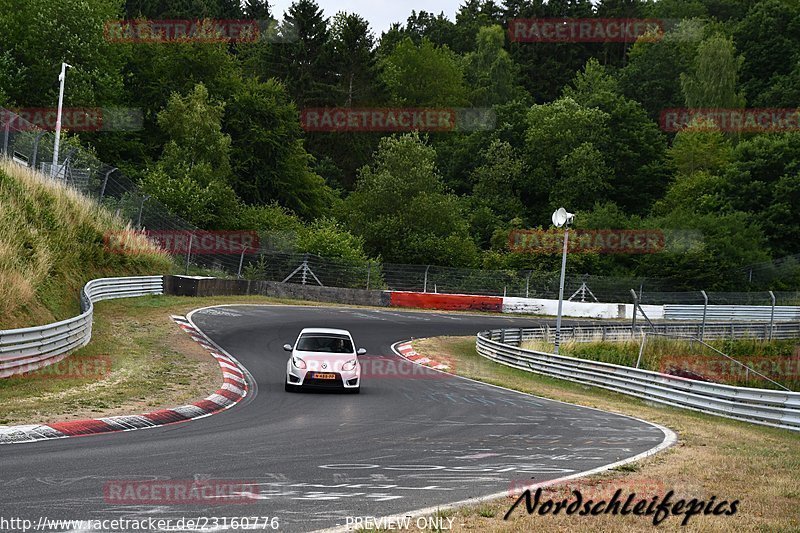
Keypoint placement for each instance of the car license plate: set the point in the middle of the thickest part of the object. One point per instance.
(317, 375)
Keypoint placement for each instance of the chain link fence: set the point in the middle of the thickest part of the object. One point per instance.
(277, 260)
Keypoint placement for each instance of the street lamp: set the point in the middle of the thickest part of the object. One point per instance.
(61, 78)
(562, 218)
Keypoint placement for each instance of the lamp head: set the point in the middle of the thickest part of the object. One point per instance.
(562, 218)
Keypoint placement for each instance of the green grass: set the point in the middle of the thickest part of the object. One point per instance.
(777, 360)
(147, 362)
(52, 243)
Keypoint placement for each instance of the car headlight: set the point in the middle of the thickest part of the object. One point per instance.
(350, 365)
(298, 363)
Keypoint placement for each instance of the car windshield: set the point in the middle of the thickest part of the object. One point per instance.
(325, 343)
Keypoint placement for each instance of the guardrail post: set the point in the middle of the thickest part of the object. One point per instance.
(425, 283)
(705, 311)
(772, 315)
(189, 251)
(503, 335)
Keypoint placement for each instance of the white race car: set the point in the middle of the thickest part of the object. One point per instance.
(324, 359)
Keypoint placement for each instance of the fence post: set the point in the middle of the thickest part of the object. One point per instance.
(189, 252)
(141, 208)
(641, 349)
(528, 283)
(369, 271)
(36, 139)
(105, 182)
(705, 310)
(635, 309)
(425, 285)
(772, 315)
(241, 261)
(5, 137)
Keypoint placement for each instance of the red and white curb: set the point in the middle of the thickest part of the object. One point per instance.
(407, 351)
(233, 390)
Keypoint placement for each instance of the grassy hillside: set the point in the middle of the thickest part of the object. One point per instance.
(52, 242)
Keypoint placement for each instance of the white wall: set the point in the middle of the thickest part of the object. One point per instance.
(577, 309)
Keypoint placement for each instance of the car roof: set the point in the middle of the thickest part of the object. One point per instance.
(326, 331)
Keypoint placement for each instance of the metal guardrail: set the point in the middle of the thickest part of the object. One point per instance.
(749, 313)
(622, 332)
(26, 349)
(760, 406)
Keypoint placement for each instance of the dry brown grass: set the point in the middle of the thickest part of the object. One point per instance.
(52, 242)
(714, 456)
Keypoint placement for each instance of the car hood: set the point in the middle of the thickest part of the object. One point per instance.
(331, 362)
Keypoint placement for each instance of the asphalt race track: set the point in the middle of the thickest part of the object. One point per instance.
(406, 442)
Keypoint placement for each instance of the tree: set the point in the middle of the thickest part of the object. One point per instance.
(768, 38)
(634, 147)
(190, 177)
(554, 131)
(490, 71)
(471, 18)
(713, 79)
(495, 199)
(424, 75)
(652, 75)
(299, 61)
(585, 179)
(351, 59)
(269, 161)
(39, 34)
(402, 210)
(700, 147)
(257, 10)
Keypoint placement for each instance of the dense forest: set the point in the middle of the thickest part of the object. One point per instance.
(574, 124)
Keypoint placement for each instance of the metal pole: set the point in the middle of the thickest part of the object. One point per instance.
(36, 140)
(105, 182)
(369, 271)
(5, 137)
(561, 289)
(189, 252)
(772, 315)
(61, 78)
(635, 308)
(141, 208)
(425, 285)
(641, 349)
(528, 283)
(241, 262)
(705, 310)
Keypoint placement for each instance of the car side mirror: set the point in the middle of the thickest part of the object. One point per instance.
(361, 351)
(288, 347)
